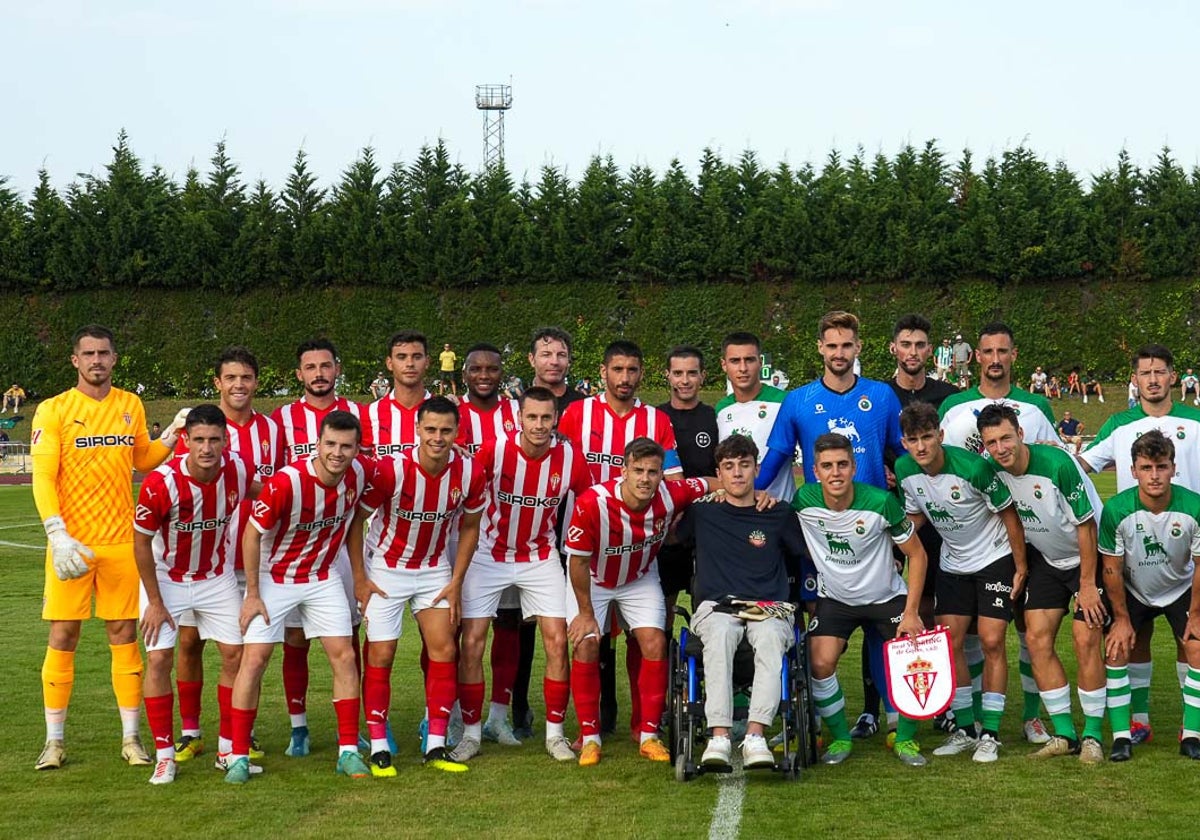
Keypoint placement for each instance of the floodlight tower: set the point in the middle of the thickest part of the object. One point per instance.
(493, 100)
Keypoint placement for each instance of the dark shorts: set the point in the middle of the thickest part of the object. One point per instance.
(833, 618)
(1191, 389)
(986, 593)
(447, 376)
(676, 567)
(1049, 588)
(1176, 612)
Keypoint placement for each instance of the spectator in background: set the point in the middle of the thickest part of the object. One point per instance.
(448, 360)
(1037, 382)
(380, 386)
(15, 395)
(943, 360)
(156, 431)
(961, 352)
(1091, 385)
(1189, 385)
(1054, 389)
(1134, 394)
(1074, 386)
(1071, 432)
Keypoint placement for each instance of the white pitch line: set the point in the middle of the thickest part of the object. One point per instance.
(727, 812)
(22, 545)
(22, 525)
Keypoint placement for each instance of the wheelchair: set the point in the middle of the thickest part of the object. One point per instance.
(687, 728)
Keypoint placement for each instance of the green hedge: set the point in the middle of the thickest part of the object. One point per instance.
(168, 339)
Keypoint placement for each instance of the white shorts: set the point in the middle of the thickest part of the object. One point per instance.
(640, 603)
(320, 604)
(341, 568)
(542, 586)
(417, 587)
(213, 605)
(188, 619)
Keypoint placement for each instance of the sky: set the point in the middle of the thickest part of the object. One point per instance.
(642, 81)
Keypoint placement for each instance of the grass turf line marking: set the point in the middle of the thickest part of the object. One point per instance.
(727, 812)
(21, 525)
(22, 545)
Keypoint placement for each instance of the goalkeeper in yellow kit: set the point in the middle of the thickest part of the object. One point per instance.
(86, 442)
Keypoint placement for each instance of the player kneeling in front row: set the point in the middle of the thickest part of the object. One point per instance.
(981, 567)
(613, 540)
(850, 528)
(296, 530)
(1149, 540)
(179, 544)
(740, 553)
(420, 494)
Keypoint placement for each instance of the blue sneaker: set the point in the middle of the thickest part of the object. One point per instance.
(423, 733)
(298, 746)
(391, 739)
(351, 764)
(238, 772)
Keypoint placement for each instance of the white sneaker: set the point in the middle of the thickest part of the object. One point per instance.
(756, 753)
(559, 748)
(987, 751)
(164, 772)
(959, 742)
(464, 750)
(224, 760)
(718, 753)
(1035, 731)
(501, 732)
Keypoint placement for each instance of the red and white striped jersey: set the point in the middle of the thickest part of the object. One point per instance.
(393, 427)
(524, 496)
(621, 542)
(476, 426)
(416, 509)
(188, 519)
(300, 424)
(304, 522)
(602, 435)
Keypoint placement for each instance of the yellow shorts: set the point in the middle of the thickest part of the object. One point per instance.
(113, 579)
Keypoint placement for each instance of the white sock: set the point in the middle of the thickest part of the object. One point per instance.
(554, 730)
(646, 736)
(473, 730)
(379, 745)
(131, 717)
(224, 745)
(195, 733)
(595, 739)
(56, 723)
(299, 720)
(434, 741)
(1181, 671)
(164, 752)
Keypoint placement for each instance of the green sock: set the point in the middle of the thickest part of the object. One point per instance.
(1093, 727)
(1191, 701)
(1117, 701)
(906, 728)
(993, 711)
(1063, 725)
(839, 729)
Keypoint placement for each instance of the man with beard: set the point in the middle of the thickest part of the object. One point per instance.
(911, 382)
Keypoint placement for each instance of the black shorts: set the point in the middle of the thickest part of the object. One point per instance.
(1176, 612)
(833, 618)
(1049, 588)
(676, 567)
(986, 593)
(447, 375)
(1191, 389)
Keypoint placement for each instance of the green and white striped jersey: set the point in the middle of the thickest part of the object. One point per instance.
(1112, 444)
(852, 548)
(961, 502)
(959, 411)
(755, 419)
(1158, 548)
(1053, 497)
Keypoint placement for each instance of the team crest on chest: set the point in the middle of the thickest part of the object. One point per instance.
(265, 446)
(762, 412)
(758, 539)
(231, 498)
(350, 494)
(455, 494)
(129, 420)
(1037, 491)
(555, 480)
(508, 425)
(1176, 530)
(864, 404)
(860, 527)
(955, 492)
(1179, 433)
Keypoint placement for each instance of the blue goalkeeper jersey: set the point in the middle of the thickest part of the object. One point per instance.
(868, 414)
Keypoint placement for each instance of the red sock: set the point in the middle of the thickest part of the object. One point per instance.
(347, 722)
(652, 689)
(506, 656)
(160, 712)
(470, 700)
(189, 703)
(441, 690)
(377, 698)
(295, 679)
(225, 709)
(633, 667)
(586, 676)
(243, 725)
(557, 694)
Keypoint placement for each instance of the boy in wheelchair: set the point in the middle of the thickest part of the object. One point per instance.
(740, 554)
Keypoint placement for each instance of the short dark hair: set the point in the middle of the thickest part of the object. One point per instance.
(643, 447)
(407, 337)
(911, 321)
(205, 414)
(685, 351)
(1153, 445)
(736, 446)
(623, 347)
(538, 393)
(237, 354)
(918, 417)
(838, 319)
(995, 414)
(92, 331)
(832, 440)
(483, 347)
(1154, 351)
(997, 328)
(437, 405)
(316, 344)
(740, 337)
(342, 421)
(550, 334)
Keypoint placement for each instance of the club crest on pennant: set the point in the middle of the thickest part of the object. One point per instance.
(920, 673)
(920, 677)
